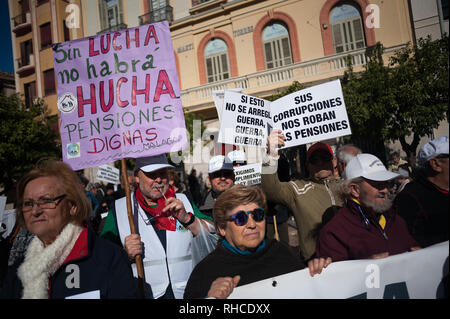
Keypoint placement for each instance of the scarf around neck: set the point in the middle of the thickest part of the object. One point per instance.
(42, 262)
(163, 221)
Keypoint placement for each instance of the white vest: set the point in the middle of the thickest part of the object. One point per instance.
(160, 268)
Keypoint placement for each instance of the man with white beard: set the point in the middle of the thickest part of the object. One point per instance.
(367, 226)
(165, 225)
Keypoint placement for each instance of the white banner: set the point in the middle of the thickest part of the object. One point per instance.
(415, 275)
(108, 174)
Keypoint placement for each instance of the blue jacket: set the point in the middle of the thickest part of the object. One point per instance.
(93, 264)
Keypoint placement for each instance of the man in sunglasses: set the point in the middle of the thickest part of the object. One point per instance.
(367, 226)
(424, 202)
(221, 178)
(307, 198)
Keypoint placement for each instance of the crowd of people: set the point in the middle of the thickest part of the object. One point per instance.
(75, 239)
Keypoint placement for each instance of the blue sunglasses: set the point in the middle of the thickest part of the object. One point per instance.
(241, 217)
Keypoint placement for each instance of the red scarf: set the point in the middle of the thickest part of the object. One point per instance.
(163, 221)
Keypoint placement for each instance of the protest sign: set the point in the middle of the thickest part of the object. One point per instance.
(244, 120)
(118, 96)
(398, 276)
(306, 116)
(314, 114)
(248, 174)
(108, 174)
(218, 96)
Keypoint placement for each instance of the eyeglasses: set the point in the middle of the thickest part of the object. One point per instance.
(241, 217)
(46, 203)
(324, 158)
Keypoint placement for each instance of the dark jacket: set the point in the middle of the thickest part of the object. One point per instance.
(102, 266)
(347, 237)
(274, 259)
(424, 207)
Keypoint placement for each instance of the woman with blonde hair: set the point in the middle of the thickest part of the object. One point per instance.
(65, 258)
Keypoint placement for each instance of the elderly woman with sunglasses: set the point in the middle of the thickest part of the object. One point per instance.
(243, 255)
(65, 258)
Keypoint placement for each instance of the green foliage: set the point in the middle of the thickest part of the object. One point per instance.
(408, 97)
(294, 87)
(26, 137)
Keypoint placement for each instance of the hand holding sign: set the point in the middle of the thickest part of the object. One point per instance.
(275, 141)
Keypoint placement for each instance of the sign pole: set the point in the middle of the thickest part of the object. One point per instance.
(138, 258)
(277, 237)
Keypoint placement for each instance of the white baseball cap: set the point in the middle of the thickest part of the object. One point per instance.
(432, 149)
(368, 166)
(218, 163)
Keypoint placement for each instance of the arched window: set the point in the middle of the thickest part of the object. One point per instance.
(216, 60)
(277, 47)
(347, 28)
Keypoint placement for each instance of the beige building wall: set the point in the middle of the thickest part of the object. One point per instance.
(52, 11)
(313, 65)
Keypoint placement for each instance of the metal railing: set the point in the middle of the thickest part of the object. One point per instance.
(165, 13)
(25, 61)
(112, 28)
(22, 18)
(312, 70)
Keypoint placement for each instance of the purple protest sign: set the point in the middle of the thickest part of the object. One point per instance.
(118, 96)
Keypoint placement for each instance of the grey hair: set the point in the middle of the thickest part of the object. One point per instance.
(344, 186)
(344, 156)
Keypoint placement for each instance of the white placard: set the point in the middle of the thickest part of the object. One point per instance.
(244, 120)
(218, 96)
(314, 114)
(108, 174)
(248, 174)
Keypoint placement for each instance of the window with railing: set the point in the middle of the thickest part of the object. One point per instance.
(277, 47)
(30, 93)
(159, 10)
(216, 60)
(111, 15)
(26, 50)
(347, 28)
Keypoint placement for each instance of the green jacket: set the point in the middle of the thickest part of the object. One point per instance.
(308, 200)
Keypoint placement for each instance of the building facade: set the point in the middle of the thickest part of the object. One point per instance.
(35, 25)
(259, 46)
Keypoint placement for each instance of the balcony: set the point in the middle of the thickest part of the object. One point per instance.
(113, 28)
(270, 81)
(165, 13)
(199, 6)
(25, 65)
(22, 24)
